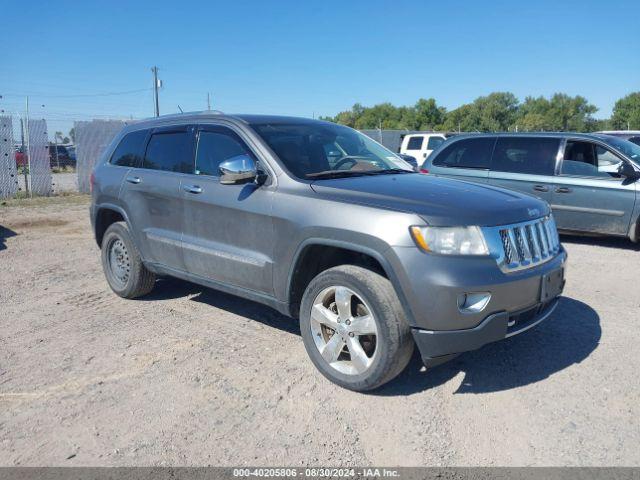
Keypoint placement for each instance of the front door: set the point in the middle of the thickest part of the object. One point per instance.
(590, 196)
(228, 232)
(153, 195)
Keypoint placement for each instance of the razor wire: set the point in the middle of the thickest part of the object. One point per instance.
(8, 170)
(91, 139)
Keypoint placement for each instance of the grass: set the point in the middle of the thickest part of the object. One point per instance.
(63, 198)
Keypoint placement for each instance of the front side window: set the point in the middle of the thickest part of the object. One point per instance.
(467, 153)
(170, 151)
(128, 153)
(434, 142)
(535, 156)
(215, 147)
(626, 147)
(415, 143)
(635, 140)
(316, 150)
(586, 159)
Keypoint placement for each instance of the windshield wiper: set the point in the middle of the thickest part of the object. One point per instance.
(336, 174)
(388, 171)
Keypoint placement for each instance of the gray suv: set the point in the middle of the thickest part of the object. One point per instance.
(324, 224)
(590, 181)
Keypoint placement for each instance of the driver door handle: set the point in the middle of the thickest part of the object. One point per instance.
(192, 188)
(563, 190)
(541, 188)
(133, 179)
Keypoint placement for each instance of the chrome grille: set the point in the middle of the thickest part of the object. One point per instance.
(527, 244)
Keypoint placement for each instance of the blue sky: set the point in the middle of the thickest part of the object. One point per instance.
(310, 57)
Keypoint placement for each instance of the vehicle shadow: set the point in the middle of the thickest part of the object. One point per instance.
(566, 338)
(4, 234)
(609, 242)
(171, 288)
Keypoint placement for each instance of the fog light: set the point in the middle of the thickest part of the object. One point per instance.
(473, 302)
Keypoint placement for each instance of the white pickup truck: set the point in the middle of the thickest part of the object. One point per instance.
(420, 145)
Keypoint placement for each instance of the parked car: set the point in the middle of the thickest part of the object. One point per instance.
(59, 156)
(589, 180)
(410, 160)
(420, 145)
(21, 156)
(372, 257)
(631, 135)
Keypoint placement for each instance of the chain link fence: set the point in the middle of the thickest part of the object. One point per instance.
(92, 137)
(35, 161)
(8, 168)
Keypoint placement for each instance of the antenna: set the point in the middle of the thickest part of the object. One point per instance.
(179, 108)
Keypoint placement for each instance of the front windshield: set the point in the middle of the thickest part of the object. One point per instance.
(317, 150)
(631, 150)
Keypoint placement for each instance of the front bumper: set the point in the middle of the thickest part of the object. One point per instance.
(439, 346)
(432, 285)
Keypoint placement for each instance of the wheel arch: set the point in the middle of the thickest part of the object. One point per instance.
(105, 215)
(298, 277)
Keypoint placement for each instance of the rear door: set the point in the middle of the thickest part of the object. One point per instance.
(153, 195)
(525, 164)
(228, 232)
(466, 159)
(590, 196)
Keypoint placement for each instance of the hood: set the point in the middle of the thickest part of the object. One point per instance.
(439, 201)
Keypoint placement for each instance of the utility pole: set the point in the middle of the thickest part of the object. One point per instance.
(208, 102)
(155, 90)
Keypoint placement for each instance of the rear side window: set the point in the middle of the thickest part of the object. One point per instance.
(128, 153)
(217, 147)
(635, 140)
(415, 143)
(170, 151)
(434, 142)
(467, 153)
(535, 156)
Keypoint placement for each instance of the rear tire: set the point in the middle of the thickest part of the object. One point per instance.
(334, 332)
(126, 274)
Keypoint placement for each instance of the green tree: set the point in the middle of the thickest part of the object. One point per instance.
(493, 113)
(626, 113)
(561, 112)
(428, 115)
(72, 134)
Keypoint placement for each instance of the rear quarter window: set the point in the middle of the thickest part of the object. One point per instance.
(434, 142)
(536, 156)
(129, 151)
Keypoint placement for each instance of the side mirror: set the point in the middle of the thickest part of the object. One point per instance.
(628, 171)
(240, 169)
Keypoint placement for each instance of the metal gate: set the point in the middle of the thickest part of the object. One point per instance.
(39, 163)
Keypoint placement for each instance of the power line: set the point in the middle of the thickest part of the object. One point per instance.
(79, 95)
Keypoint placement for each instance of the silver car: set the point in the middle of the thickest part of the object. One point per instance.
(590, 181)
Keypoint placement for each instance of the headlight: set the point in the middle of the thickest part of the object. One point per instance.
(450, 240)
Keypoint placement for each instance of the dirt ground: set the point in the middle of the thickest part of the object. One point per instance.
(190, 376)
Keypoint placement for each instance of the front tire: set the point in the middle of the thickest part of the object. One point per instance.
(126, 274)
(354, 328)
